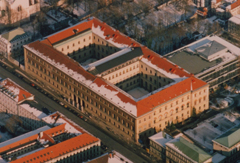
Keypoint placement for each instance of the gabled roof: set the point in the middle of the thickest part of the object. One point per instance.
(171, 92)
(17, 92)
(163, 63)
(235, 4)
(26, 138)
(14, 34)
(45, 50)
(230, 138)
(59, 149)
(51, 54)
(190, 150)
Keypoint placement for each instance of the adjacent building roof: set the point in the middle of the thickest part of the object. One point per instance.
(235, 19)
(22, 139)
(222, 52)
(230, 138)
(14, 90)
(59, 149)
(209, 50)
(14, 34)
(235, 4)
(195, 64)
(161, 138)
(112, 157)
(188, 149)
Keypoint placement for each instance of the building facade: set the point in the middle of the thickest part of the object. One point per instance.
(11, 43)
(95, 68)
(11, 98)
(157, 144)
(234, 25)
(18, 10)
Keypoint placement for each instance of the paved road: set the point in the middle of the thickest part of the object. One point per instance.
(53, 106)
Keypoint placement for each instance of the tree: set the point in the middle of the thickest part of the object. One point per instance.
(194, 112)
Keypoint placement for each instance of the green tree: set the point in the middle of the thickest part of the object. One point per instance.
(194, 112)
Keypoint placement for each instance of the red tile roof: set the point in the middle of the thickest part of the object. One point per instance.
(170, 92)
(109, 32)
(144, 105)
(56, 114)
(59, 149)
(13, 87)
(32, 138)
(235, 4)
(163, 63)
(57, 56)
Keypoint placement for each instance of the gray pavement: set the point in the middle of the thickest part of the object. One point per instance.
(42, 99)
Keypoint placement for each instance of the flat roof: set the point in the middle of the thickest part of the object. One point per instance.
(193, 63)
(117, 61)
(188, 149)
(161, 138)
(210, 48)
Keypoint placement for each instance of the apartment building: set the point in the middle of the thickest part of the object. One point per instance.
(65, 142)
(211, 59)
(234, 24)
(228, 144)
(11, 43)
(158, 144)
(180, 150)
(13, 11)
(101, 71)
(12, 97)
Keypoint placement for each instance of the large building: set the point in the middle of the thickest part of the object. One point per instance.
(100, 70)
(228, 144)
(11, 43)
(12, 97)
(211, 59)
(65, 142)
(13, 11)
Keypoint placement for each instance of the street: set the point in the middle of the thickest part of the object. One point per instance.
(50, 104)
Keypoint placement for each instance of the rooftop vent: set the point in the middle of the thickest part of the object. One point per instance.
(75, 31)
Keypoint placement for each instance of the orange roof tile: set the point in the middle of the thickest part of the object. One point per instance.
(58, 149)
(235, 4)
(57, 56)
(19, 143)
(56, 129)
(32, 138)
(21, 93)
(55, 115)
(170, 92)
(163, 63)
